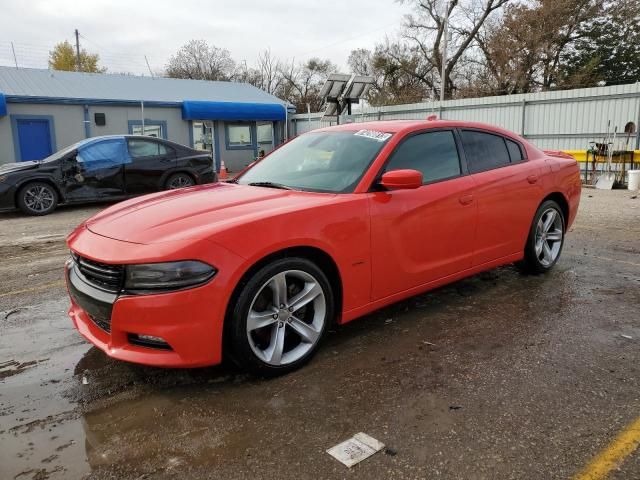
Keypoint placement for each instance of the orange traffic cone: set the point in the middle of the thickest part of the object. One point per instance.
(223, 171)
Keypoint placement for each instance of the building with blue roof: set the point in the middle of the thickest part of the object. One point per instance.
(42, 111)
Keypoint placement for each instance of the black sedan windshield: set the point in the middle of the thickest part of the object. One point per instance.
(318, 162)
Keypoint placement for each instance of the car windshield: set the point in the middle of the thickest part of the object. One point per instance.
(318, 162)
(61, 153)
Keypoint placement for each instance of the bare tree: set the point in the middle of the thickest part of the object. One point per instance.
(302, 83)
(268, 73)
(424, 33)
(200, 61)
(529, 47)
(388, 65)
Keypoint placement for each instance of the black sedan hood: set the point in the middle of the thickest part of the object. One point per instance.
(47, 164)
(18, 167)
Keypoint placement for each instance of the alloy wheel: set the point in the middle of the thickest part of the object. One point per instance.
(549, 233)
(39, 198)
(180, 181)
(286, 317)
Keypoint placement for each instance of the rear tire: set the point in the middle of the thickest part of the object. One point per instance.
(37, 198)
(280, 316)
(546, 239)
(179, 180)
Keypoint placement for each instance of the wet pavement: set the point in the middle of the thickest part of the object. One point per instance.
(501, 375)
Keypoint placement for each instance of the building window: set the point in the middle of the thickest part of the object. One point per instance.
(152, 128)
(239, 136)
(265, 133)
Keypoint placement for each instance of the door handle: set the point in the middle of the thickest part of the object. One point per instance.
(532, 179)
(466, 199)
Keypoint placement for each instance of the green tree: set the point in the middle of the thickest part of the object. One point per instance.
(63, 57)
(608, 49)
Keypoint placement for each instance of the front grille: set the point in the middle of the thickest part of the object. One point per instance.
(101, 275)
(141, 342)
(106, 326)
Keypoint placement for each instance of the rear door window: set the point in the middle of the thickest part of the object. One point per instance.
(146, 148)
(484, 151)
(432, 153)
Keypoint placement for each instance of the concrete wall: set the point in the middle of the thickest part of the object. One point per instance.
(562, 120)
(68, 126)
(118, 117)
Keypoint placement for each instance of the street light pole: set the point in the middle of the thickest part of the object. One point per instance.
(78, 63)
(445, 38)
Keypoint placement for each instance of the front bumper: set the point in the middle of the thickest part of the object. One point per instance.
(189, 321)
(7, 197)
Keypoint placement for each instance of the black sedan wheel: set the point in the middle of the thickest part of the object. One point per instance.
(37, 198)
(179, 180)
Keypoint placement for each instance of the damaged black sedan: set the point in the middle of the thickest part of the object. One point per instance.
(102, 168)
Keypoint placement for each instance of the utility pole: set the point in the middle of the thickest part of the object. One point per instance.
(15, 59)
(149, 67)
(78, 64)
(445, 38)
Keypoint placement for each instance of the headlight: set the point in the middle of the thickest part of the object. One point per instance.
(159, 277)
(2, 178)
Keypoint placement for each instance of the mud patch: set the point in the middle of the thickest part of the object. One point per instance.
(12, 367)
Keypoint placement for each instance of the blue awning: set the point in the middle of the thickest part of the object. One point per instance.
(3, 105)
(200, 110)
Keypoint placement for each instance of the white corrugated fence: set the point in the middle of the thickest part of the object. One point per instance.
(563, 120)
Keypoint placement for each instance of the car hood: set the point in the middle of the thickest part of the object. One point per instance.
(18, 167)
(196, 212)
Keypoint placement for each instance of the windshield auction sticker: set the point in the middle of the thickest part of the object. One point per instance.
(374, 135)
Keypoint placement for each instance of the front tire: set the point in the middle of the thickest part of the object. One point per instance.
(546, 239)
(280, 317)
(37, 198)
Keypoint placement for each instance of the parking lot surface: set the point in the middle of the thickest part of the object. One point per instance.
(501, 375)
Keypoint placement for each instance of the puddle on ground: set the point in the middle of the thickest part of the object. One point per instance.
(155, 420)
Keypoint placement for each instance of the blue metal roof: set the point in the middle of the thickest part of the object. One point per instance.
(198, 110)
(3, 105)
(52, 86)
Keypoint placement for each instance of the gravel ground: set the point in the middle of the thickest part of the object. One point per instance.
(501, 375)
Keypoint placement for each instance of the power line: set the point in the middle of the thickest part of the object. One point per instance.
(37, 56)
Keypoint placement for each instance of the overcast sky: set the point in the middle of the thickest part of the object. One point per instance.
(122, 32)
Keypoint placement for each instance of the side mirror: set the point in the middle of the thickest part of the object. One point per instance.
(401, 179)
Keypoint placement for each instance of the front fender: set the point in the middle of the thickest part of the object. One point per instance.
(341, 229)
(39, 177)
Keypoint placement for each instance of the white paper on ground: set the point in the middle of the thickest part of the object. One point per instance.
(355, 449)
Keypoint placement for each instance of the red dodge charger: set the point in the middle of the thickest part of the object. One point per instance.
(334, 224)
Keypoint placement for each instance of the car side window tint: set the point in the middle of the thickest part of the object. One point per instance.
(515, 152)
(146, 148)
(432, 153)
(484, 151)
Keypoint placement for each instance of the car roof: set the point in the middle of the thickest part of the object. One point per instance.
(91, 140)
(404, 126)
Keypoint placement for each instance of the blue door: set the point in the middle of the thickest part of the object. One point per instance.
(35, 139)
